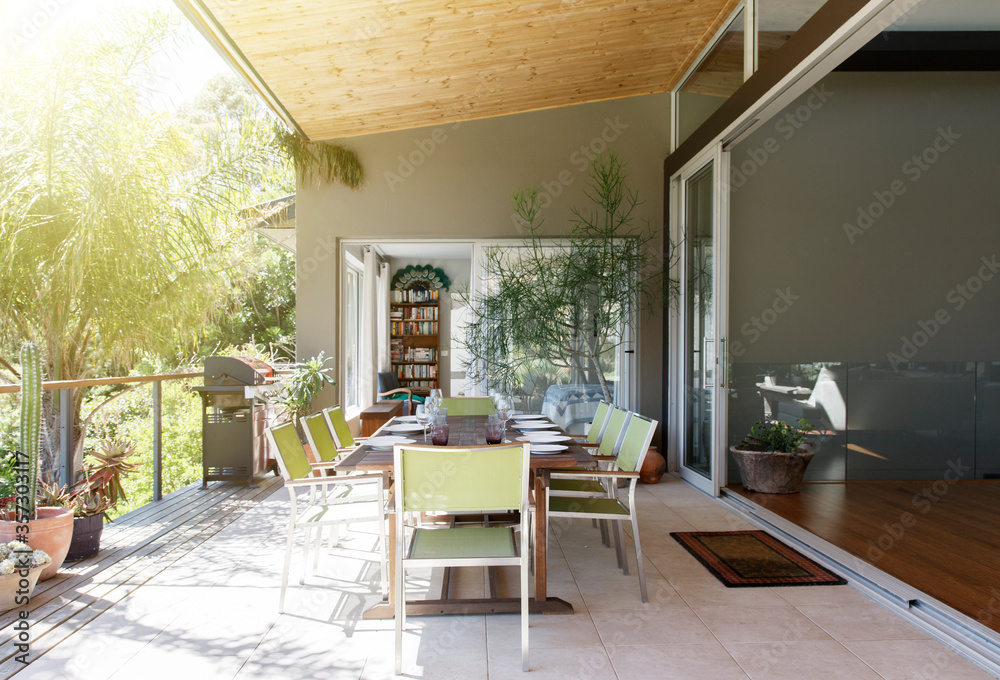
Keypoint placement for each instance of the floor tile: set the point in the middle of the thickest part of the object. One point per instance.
(801, 660)
(861, 622)
(915, 660)
(677, 624)
(590, 663)
(708, 661)
(759, 624)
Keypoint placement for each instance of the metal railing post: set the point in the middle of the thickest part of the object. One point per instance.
(66, 435)
(157, 442)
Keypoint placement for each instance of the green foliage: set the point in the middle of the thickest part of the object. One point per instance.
(263, 312)
(776, 436)
(319, 162)
(8, 472)
(567, 303)
(306, 381)
(130, 417)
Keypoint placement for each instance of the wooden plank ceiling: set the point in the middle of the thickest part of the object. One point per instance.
(351, 67)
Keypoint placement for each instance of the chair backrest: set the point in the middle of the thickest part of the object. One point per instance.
(600, 422)
(461, 479)
(387, 380)
(338, 426)
(291, 457)
(320, 439)
(635, 443)
(468, 406)
(611, 441)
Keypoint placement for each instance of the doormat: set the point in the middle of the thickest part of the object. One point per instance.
(742, 559)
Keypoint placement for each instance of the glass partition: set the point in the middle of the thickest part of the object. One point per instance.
(713, 82)
(878, 422)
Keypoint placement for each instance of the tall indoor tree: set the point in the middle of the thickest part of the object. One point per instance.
(564, 303)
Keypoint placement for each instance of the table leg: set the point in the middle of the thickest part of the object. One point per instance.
(541, 483)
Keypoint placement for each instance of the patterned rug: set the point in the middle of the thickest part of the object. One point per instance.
(753, 558)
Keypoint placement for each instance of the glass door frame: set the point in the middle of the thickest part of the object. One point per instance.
(679, 403)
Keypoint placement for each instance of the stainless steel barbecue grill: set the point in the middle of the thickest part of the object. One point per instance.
(233, 443)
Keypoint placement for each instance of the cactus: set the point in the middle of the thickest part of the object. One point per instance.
(31, 420)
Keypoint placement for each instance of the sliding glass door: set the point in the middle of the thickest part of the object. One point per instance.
(699, 323)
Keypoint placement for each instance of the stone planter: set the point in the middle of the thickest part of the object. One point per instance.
(86, 537)
(51, 532)
(10, 584)
(771, 472)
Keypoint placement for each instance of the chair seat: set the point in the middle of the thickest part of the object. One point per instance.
(580, 486)
(463, 542)
(588, 507)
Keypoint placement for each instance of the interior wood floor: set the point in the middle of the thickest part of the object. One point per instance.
(941, 537)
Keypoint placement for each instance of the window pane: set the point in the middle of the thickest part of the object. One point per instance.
(352, 340)
(713, 82)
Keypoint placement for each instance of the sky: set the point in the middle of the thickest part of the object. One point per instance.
(30, 25)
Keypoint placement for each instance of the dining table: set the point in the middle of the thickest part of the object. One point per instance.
(471, 431)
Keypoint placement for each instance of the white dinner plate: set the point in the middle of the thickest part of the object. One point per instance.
(544, 437)
(405, 419)
(387, 442)
(405, 428)
(547, 449)
(528, 416)
(534, 426)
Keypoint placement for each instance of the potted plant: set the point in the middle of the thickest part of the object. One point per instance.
(99, 491)
(306, 381)
(772, 458)
(20, 567)
(48, 528)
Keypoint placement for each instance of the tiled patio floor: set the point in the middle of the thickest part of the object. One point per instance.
(213, 615)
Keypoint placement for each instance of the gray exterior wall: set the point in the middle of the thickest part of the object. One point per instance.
(455, 182)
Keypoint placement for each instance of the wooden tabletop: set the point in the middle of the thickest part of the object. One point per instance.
(465, 431)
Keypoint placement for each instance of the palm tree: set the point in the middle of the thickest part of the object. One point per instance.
(119, 227)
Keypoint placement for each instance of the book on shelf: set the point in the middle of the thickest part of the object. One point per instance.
(415, 295)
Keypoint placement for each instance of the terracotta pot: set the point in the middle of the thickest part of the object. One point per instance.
(653, 467)
(11, 583)
(770, 471)
(86, 537)
(51, 532)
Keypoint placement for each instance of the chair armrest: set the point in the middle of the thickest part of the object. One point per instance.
(588, 474)
(327, 481)
(601, 457)
(398, 390)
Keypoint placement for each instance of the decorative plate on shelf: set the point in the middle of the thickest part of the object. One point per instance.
(382, 443)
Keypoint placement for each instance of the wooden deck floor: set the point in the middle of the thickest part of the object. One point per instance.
(134, 549)
(941, 538)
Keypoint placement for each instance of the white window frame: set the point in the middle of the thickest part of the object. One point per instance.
(351, 337)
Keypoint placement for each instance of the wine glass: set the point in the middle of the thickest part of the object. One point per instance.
(423, 418)
(505, 410)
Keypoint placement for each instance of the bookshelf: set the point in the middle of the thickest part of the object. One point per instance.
(414, 322)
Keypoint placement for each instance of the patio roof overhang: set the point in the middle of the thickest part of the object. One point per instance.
(340, 69)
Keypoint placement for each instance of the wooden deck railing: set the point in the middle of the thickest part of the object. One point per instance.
(66, 387)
